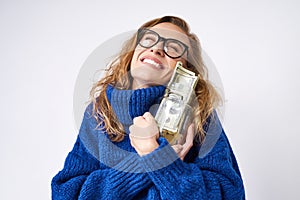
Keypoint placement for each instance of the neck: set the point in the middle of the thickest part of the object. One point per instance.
(142, 85)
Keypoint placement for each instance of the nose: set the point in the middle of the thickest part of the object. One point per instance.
(158, 48)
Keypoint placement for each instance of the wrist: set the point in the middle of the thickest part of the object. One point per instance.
(150, 147)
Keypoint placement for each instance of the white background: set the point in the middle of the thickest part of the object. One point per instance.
(254, 45)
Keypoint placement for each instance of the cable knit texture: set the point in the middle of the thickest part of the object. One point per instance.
(97, 168)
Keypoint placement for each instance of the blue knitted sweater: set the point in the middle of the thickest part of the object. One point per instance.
(97, 168)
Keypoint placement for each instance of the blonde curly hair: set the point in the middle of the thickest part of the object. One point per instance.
(118, 75)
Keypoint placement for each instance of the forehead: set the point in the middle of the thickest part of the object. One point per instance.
(169, 30)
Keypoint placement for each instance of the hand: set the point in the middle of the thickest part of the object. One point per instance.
(143, 134)
(182, 150)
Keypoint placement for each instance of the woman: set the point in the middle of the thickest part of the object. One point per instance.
(119, 153)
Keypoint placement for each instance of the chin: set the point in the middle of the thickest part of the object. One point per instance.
(147, 77)
(142, 83)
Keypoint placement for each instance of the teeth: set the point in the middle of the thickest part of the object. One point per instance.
(151, 62)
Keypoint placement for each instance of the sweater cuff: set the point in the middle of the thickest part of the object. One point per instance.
(127, 177)
(162, 157)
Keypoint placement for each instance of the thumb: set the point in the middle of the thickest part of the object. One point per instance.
(148, 117)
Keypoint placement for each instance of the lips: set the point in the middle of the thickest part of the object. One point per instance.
(152, 61)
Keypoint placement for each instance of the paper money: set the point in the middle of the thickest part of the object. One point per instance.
(175, 113)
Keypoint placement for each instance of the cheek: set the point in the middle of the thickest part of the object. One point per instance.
(133, 60)
(172, 63)
(135, 56)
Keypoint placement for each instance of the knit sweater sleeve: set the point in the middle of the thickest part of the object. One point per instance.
(85, 177)
(216, 176)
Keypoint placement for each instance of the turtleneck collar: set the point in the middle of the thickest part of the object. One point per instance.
(128, 104)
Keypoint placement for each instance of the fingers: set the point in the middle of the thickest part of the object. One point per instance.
(144, 127)
(148, 117)
(143, 132)
(144, 120)
(140, 121)
(177, 148)
(188, 143)
(136, 120)
(190, 134)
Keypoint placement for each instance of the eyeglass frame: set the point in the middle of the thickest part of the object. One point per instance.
(139, 37)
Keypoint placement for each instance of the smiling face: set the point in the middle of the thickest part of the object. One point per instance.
(151, 66)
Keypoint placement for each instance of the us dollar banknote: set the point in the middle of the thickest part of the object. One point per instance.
(175, 112)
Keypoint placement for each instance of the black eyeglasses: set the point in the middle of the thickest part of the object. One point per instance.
(173, 48)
